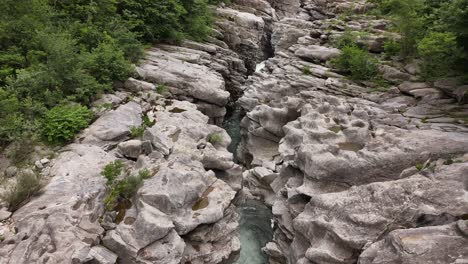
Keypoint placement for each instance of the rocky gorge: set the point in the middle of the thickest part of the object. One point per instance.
(352, 173)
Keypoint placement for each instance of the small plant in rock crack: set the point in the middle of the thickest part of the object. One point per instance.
(112, 170)
(147, 122)
(162, 89)
(136, 132)
(306, 70)
(121, 190)
(215, 138)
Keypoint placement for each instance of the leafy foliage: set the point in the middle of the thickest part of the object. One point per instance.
(136, 132)
(112, 170)
(56, 52)
(439, 52)
(392, 48)
(62, 122)
(357, 63)
(425, 23)
(125, 189)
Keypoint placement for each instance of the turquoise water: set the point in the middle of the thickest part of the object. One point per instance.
(255, 232)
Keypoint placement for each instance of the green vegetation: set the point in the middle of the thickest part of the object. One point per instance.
(348, 38)
(136, 132)
(215, 138)
(419, 166)
(392, 48)
(62, 122)
(359, 64)
(434, 30)
(53, 53)
(112, 170)
(306, 70)
(27, 185)
(439, 52)
(162, 89)
(124, 189)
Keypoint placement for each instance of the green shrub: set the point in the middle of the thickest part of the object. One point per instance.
(439, 53)
(147, 122)
(124, 189)
(112, 170)
(306, 70)
(107, 63)
(215, 138)
(392, 48)
(161, 89)
(348, 38)
(359, 64)
(27, 185)
(136, 132)
(62, 122)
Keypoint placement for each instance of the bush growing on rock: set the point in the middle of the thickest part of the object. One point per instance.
(121, 190)
(136, 132)
(112, 170)
(359, 64)
(61, 123)
(306, 70)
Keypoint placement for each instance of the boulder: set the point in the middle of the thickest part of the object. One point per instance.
(63, 220)
(133, 148)
(183, 78)
(433, 244)
(135, 86)
(317, 53)
(113, 126)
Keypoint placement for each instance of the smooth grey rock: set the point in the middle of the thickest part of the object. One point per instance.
(4, 215)
(134, 85)
(315, 52)
(63, 219)
(435, 244)
(407, 87)
(113, 126)
(184, 78)
(393, 75)
(388, 205)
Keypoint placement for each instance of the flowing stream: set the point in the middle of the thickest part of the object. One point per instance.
(255, 222)
(255, 232)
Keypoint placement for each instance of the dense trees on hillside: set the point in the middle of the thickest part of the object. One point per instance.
(434, 30)
(57, 52)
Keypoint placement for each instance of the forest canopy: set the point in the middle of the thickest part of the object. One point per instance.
(57, 52)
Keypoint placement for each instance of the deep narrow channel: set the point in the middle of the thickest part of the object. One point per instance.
(255, 217)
